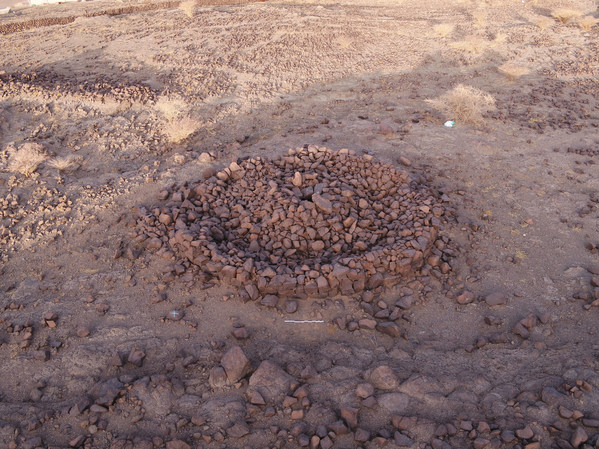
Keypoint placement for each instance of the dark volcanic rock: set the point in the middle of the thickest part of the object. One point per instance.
(496, 299)
(383, 378)
(271, 381)
(235, 364)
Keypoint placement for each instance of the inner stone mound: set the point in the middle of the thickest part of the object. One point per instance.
(313, 222)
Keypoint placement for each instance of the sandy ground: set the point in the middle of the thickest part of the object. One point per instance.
(91, 355)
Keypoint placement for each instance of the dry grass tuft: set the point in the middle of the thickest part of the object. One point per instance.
(543, 22)
(180, 129)
(27, 158)
(465, 104)
(171, 107)
(513, 71)
(587, 22)
(188, 7)
(472, 44)
(564, 15)
(443, 29)
(65, 164)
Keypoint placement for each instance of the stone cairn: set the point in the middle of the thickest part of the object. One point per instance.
(314, 222)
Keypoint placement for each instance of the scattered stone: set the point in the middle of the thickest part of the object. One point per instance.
(507, 436)
(529, 322)
(291, 306)
(405, 161)
(235, 364)
(480, 443)
(136, 357)
(406, 302)
(177, 444)
(49, 319)
(361, 435)
(217, 377)
(465, 298)
(339, 428)
(271, 381)
(370, 402)
(526, 433)
(390, 329)
(77, 441)
(383, 378)
(565, 412)
(396, 403)
(364, 390)
(578, 437)
(367, 323)
(322, 204)
(521, 331)
(116, 360)
(83, 332)
(552, 397)
(105, 393)
(238, 430)
(31, 443)
(256, 398)
(270, 301)
(240, 333)
(303, 440)
(35, 395)
(496, 299)
(590, 422)
(350, 415)
(493, 320)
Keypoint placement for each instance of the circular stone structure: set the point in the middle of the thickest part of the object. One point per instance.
(314, 222)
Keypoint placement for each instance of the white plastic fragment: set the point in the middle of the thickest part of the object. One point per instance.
(449, 124)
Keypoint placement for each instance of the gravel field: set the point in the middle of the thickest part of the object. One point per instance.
(324, 224)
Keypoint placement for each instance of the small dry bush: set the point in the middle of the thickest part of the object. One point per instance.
(443, 29)
(564, 15)
(171, 107)
(513, 71)
(27, 158)
(543, 22)
(179, 129)
(188, 7)
(587, 22)
(465, 104)
(472, 44)
(65, 164)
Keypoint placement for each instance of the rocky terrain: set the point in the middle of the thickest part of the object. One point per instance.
(244, 225)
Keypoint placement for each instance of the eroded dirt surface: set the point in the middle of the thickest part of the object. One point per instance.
(107, 344)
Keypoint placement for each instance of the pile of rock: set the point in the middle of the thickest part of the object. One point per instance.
(314, 222)
(47, 85)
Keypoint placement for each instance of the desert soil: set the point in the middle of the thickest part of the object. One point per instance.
(105, 343)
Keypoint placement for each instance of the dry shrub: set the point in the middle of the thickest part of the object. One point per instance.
(27, 158)
(443, 29)
(188, 7)
(180, 129)
(543, 22)
(480, 18)
(513, 71)
(564, 15)
(587, 22)
(472, 44)
(65, 164)
(171, 107)
(465, 104)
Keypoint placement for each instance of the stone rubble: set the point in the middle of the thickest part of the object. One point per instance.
(314, 222)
